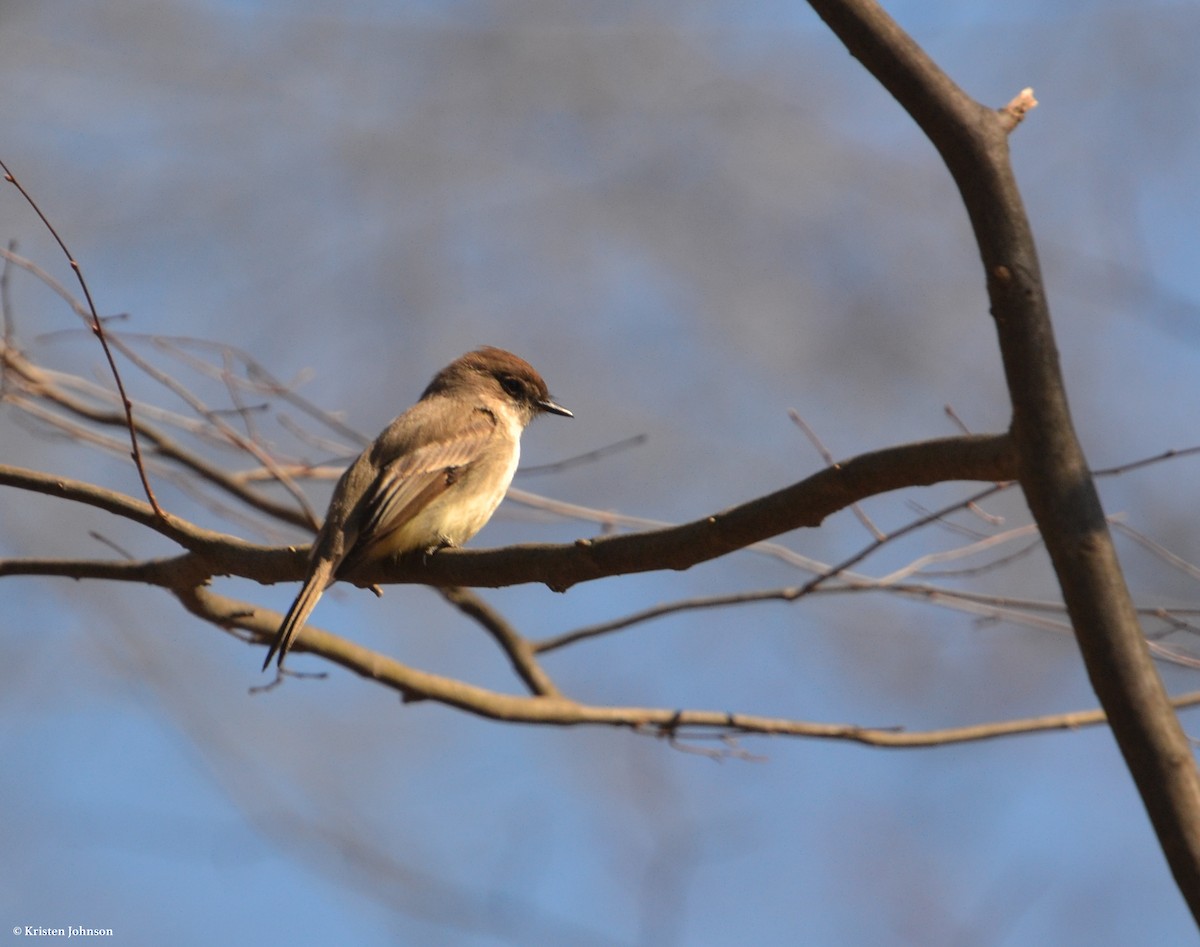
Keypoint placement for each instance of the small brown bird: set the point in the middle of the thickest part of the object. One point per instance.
(433, 478)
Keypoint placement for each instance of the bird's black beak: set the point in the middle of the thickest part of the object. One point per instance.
(553, 408)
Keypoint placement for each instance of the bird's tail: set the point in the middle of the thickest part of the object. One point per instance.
(314, 586)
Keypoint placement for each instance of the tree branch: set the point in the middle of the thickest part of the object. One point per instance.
(973, 142)
(520, 651)
(807, 503)
(559, 711)
(803, 504)
(227, 555)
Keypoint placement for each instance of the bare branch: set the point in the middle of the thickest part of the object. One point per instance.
(97, 327)
(599, 629)
(637, 440)
(226, 554)
(677, 547)
(7, 329)
(234, 437)
(45, 385)
(973, 142)
(413, 684)
(1014, 113)
(520, 651)
(933, 517)
(807, 503)
(826, 456)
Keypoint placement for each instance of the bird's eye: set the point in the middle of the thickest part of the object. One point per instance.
(512, 386)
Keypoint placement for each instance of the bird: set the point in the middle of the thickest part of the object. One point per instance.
(431, 479)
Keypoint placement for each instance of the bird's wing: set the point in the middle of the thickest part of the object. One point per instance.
(413, 480)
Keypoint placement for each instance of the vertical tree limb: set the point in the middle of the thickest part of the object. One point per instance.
(973, 141)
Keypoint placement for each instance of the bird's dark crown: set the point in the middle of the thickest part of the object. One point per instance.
(515, 377)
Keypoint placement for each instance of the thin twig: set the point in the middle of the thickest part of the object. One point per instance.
(1171, 454)
(244, 443)
(911, 527)
(1014, 113)
(558, 466)
(164, 445)
(958, 421)
(827, 456)
(97, 327)
(8, 330)
(577, 635)
(1174, 560)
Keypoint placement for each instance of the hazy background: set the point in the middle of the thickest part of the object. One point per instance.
(690, 217)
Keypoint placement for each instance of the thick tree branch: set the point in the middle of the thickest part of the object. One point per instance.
(807, 503)
(973, 142)
(804, 504)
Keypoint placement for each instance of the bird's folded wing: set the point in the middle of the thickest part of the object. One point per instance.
(413, 481)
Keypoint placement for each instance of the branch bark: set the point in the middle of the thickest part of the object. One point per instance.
(556, 710)
(806, 503)
(973, 142)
